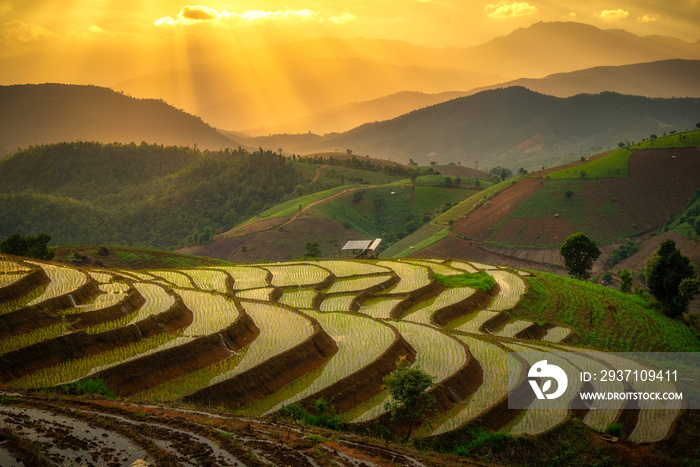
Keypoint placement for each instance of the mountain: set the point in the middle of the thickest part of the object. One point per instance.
(546, 48)
(250, 91)
(50, 113)
(663, 78)
(514, 127)
(349, 116)
(270, 87)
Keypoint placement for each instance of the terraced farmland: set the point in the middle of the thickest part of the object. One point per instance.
(257, 338)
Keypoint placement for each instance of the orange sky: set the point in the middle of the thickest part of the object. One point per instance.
(106, 41)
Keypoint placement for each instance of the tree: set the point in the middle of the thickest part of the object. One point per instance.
(522, 171)
(477, 183)
(607, 278)
(569, 194)
(313, 250)
(579, 252)
(32, 247)
(407, 388)
(664, 271)
(625, 281)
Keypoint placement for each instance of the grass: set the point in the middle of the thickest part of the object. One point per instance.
(613, 165)
(602, 318)
(478, 280)
(616, 163)
(291, 207)
(598, 218)
(425, 236)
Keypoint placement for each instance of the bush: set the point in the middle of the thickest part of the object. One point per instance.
(624, 251)
(324, 416)
(614, 429)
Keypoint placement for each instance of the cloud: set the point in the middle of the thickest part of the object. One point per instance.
(199, 13)
(613, 14)
(646, 19)
(513, 10)
(18, 31)
(95, 29)
(344, 18)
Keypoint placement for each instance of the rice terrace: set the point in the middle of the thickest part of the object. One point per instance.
(350, 234)
(255, 340)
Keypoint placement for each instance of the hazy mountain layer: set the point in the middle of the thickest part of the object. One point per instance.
(51, 113)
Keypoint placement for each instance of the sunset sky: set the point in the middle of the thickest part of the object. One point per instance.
(105, 41)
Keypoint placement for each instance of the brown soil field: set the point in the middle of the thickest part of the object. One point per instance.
(477, 222)
(660, 183)
(280, 244)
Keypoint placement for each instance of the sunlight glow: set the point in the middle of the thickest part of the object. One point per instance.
(199, 13)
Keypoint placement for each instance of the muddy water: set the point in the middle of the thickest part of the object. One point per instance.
(189, 448)
(70, 442)
(8, 460)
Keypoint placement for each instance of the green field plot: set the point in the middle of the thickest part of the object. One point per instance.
(614, 164)
(176, 278)
(380, 308)
(602, 318)
(7, 279)
(360, 341)
(464, 266)
(280, 330)
(423, 312)
(355, 284)
(157, 301)
(472, 322)
(437, 268)
(101, 277)
(291, 207)
(351, 268)
(208, 279)
(302, 298)
(212, 313)
(72, 370)
(63, 281)
(556, 334)
(412, 276)
(544, 414)
(337, 303)
(512, 288)
(12, 267)
(439, 354)
(512, 328)
(263, 293)
(297, 274)
(246, 277)
(425, 236)
(493, 360)
(654, 423)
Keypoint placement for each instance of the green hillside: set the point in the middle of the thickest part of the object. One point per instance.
(515, 127)
(50, 113)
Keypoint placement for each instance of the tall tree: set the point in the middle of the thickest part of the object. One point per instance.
(664, 271)
(407, 388)
(579, 252)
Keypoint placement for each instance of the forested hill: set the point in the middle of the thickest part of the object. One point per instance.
(515, 127)
(141, 195)
(50, 113)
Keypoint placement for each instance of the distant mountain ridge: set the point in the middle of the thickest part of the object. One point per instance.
(270, 87)
(514, 127)
(663, 78)
(50, 113)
